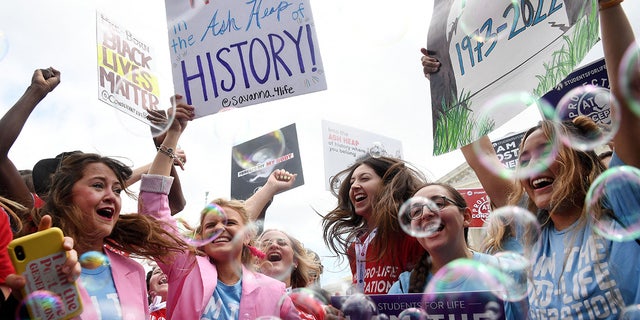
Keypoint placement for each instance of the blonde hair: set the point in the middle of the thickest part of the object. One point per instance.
(9, 206)
(577, 169)
(247, 257)
(307, 264)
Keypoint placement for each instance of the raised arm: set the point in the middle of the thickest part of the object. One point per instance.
(279, 180)
(12, 186)
(163, 162)
(155, 185)
(497, 188)
(617, 37)
(177, 202)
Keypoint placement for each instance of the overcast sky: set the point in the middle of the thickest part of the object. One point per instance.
(370, 52)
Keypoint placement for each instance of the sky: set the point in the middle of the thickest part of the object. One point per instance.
(371, 56)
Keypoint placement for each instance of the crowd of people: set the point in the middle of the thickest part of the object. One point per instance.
(230, 267)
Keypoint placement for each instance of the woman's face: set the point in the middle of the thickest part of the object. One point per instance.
(453, 220)
(97, 194)
(280, 257)
(158, 284)
(539, 187)
(365, 184)
(224, 248)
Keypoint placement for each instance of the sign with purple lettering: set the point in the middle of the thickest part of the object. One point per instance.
(239, 53)
(254, 160)
(491, 48)
(453, 305)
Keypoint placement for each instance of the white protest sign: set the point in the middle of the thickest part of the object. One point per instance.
(491, 48)
(239, 53)
(126, 74)
(343, 145)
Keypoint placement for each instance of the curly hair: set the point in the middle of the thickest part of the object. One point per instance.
(135, 234)
(342, 226)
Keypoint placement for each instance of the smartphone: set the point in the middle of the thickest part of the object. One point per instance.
(48, 294)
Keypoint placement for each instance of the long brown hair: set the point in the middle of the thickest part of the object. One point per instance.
(341, 226)
(135, 234)
(10, 207)
(578, 169)
(418, 276)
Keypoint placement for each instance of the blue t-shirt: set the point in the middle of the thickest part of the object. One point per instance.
(580, 275)
(224, 303)
(99, 284)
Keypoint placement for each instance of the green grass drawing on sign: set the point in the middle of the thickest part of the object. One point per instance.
(564, 60)
(457, 127)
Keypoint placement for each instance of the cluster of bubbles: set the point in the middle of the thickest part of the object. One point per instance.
(600, 105)
(377, 150)
(505, 274)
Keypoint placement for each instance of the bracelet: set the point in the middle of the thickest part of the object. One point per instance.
(608, 4)
(169, 152)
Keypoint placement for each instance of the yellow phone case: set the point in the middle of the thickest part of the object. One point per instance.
(39, 257)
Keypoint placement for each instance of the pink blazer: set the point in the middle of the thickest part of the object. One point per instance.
(192, 278)
(130, 282)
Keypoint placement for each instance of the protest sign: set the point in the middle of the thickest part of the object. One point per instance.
(479, 305)
(343, 145)
(254, 160)
(126, 78)
(508, 148)
(240, 53)
(480, 205)
(491, 48)
(584, 103)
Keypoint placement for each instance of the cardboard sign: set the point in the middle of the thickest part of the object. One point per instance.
(491, 48)
(240, 53)
(126, 78)
(343, 145)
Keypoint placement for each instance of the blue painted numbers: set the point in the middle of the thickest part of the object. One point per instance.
(479, 44)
